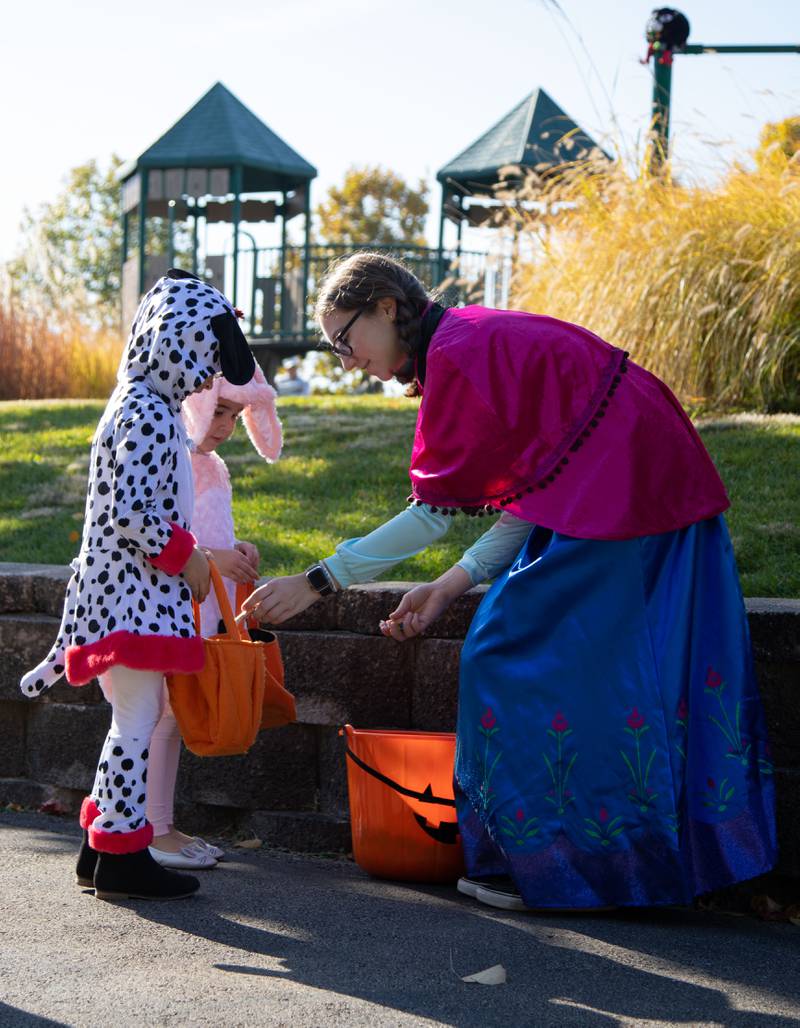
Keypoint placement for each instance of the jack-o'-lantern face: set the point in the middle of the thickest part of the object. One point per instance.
(430, 813)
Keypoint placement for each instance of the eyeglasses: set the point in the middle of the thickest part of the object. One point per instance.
(339, 344)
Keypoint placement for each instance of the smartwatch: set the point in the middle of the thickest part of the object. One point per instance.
(318, 580)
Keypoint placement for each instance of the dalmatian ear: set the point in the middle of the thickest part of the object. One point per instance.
(180, 273)
(236, 360)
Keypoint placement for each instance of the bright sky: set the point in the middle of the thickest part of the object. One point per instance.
(405, 84)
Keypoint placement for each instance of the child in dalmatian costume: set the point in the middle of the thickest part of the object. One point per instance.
(210, 418)
(128, 610)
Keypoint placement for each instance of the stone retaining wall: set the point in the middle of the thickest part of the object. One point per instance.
(291, 789)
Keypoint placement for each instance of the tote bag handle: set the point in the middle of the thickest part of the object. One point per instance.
(232, 630)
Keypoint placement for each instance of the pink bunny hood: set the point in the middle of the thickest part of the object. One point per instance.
(259, 415)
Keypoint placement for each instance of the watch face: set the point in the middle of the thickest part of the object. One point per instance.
(318, 580)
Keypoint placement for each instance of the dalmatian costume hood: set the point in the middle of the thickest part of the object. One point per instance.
(127, 602)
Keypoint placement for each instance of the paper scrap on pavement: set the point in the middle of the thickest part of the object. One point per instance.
(248, 844)
(495, 975)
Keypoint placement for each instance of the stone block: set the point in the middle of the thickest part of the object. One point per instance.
(25, 640)
(361, 607)
(779, 684)
(774, 628)
(278, 773)
(301, 832)
(209, 820)
(12, 738)
(787, 790)
(64, 742)
(87, 695)
(33, 588)
(16, 588)
(34, 795)
(333, 799)
(338, 678)
(435, 695)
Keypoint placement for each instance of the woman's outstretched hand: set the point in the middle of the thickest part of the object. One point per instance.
(421, 605)
(280, 599)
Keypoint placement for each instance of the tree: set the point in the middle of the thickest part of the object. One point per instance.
(374, 205)
(70, 258)
(778, 144)
(71, 248)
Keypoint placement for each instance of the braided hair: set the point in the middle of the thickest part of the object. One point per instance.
(364, 278)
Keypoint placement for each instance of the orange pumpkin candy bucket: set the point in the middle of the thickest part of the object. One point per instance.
(402, 806)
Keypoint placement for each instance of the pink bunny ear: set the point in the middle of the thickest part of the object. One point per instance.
(259, 416)
(197, 411)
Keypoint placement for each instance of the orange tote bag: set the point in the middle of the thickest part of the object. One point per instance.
(219, 708)
(279, 707)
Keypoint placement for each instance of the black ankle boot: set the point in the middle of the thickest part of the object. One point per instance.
(138, 876)
(87, 860)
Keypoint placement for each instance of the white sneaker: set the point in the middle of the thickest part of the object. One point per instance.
(185, 859)
(207, 847)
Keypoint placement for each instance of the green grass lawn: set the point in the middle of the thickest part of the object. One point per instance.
(344, 471)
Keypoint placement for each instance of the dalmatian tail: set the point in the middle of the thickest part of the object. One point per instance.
(46, 674)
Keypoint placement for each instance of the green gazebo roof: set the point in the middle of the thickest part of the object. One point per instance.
(220, 132)
(532, 134)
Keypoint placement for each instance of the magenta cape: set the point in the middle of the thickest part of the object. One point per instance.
(544, 419)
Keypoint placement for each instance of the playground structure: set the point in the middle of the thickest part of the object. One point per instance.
(221, 165)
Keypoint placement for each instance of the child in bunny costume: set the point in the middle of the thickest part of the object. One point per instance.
(128, 612)
(210, 418)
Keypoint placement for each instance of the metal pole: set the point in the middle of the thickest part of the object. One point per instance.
(237, 214)
(284, 306)
(705, 48)
(306, 259)
(440, 253)
(195, 235)
(142, 227)
(659, 115)
(254, 252)
(662, 87)
(170, 233)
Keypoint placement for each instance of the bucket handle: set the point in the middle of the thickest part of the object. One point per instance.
(424, 797)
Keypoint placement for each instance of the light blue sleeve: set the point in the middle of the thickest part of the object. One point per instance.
(495, 549)
(363, 559)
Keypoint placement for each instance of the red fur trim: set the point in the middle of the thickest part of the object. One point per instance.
(121, 842)
(173, 557)
(89, 811)
(165, 653)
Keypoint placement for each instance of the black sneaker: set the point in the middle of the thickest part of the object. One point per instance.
(87, 861)
(472, 886)
(500, 893)
(120, 876)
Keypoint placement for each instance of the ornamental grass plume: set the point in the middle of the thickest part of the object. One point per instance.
(54, 357)
(700, 284)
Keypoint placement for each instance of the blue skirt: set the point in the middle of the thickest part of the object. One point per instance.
(611, 741)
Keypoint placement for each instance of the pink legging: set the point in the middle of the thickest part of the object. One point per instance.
(165, 752)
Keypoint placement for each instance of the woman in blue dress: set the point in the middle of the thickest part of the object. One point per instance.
(611, 747)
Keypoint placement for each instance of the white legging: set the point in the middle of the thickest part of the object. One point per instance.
(141, 710)
(120, 785)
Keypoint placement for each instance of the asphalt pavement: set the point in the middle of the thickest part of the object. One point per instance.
(280, 939)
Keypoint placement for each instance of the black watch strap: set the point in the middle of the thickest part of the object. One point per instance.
(318, 580)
